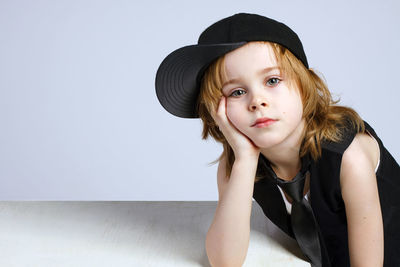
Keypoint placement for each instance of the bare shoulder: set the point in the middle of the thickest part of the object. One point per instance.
(364, 149)
(359, 160)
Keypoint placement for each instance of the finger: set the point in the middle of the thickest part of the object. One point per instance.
(223, 115)
(222, 107)
(223, 120)
(215, 113)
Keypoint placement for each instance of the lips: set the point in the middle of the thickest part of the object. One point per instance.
(262, 122)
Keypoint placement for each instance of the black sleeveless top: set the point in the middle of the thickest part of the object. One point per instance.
(328, 205)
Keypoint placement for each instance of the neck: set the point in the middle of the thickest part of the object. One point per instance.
(284, 157)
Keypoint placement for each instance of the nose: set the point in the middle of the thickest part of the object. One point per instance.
(258, 102)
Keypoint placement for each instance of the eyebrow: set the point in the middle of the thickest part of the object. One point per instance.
(263, 71)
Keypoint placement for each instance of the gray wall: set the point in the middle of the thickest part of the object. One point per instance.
(78, 112)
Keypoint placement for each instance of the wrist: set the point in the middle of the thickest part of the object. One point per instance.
(247, 157)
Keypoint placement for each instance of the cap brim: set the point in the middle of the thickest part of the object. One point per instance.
(177, 78)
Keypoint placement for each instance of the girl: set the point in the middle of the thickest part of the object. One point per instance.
(318, 171)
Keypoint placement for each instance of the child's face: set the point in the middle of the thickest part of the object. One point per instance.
(256, 94)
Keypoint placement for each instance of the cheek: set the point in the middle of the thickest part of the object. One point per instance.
(299, 109)
(294, 111)
(294, 108)
(233, 114)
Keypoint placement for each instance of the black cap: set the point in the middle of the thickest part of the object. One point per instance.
(179, 75)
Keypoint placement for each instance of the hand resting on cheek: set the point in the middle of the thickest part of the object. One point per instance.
(240, 143)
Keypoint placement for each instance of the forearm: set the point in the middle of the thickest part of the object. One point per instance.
(227, 240)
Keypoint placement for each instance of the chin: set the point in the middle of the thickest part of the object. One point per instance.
(267, 142)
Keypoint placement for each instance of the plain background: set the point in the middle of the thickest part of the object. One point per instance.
(79, 116)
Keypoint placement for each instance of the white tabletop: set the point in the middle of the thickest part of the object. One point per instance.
(71, 233)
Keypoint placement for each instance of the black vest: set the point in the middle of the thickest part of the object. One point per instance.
(327, 202)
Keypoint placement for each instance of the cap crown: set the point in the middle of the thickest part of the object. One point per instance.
(251, 27)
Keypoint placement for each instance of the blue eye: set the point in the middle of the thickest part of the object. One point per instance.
(236, 92)
(273, 79)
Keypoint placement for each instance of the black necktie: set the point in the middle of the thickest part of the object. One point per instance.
(302, 217)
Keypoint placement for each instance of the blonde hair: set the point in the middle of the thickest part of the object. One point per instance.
(324, 119)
